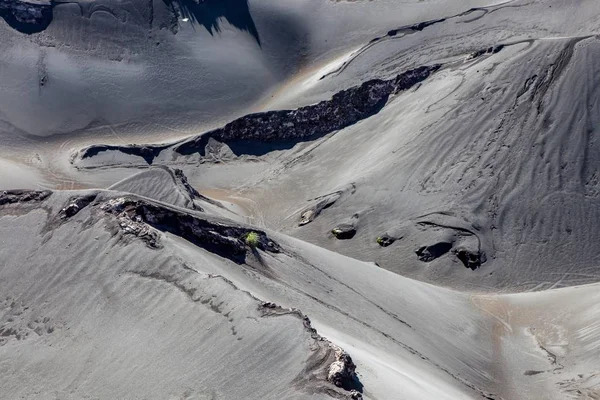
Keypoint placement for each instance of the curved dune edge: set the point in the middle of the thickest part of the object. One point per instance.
(108, 278)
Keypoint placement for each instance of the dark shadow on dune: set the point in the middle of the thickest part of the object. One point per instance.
(254, 148)
(25, 17)
(209, 13)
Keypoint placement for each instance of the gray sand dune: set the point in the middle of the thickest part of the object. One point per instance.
(305, 199)
(105, 304)
(482, 176)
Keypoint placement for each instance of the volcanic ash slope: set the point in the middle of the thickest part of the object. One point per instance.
(117, 295)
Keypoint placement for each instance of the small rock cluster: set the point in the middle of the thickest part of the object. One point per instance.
(76, 205)
(129, 223)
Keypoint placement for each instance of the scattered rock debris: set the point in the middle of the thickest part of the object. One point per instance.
(23, 196)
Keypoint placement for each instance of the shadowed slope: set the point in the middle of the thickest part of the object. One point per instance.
(208, 13)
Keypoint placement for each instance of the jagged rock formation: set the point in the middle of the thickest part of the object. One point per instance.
(23, 196)
(344, 109)
(77, 204)
(135, 216)
(342, 372)
(337, 365)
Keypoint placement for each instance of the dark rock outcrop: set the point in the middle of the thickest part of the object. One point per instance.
(385, 240)
(345, 108)
(148, 153)
(346, 229)
(470, 259)
(226, 240)
(26, 17)
(75, 205)
(23, 196)
(261, 133)
(335, 364)
(489, 50)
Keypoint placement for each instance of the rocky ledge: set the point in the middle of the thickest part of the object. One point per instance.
(260, 133)
(135, 217)
(335, 365)
(23, 196)
(345, 108)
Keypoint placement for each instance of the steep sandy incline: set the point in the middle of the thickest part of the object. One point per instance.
(483, 178)
(157, 68)
(462, 151)
(163, 301)
(479, 174)
(91, 308)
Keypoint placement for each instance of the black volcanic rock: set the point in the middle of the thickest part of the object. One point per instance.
(226, 240)
(431, 252)
(345, 108)
(23, 196)
(471, 259)
(260, 133)
(26, 17)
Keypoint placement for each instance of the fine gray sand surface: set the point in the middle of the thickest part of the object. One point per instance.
(300, 199)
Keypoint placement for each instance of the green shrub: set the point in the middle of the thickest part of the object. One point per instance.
(252, 239)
